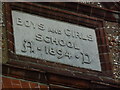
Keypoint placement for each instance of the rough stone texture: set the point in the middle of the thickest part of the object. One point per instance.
(113, 35)
(0, 44)
(0, 32)
(4, 57)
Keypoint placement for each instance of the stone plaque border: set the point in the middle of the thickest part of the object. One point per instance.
(62, 15)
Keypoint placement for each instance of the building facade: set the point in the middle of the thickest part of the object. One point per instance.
(67, 45)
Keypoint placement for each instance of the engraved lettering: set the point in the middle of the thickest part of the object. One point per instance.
(55, 31)
(77, 56)
(76, 46)
(69, 44)
(39, 48)
(27, 45)
(67, 32)
(33, 25)
(59, 32)
(19, 21)
(46, 50)
(39, 37)
(82, 54)
(51, 51)
(68, 54)
(84, 57)
(27, 23)
(24, 49)
(62, 42)
(87, 59)
(47, 39)
(90, 38)
(78, 35)
(41, 27)
(83, 36)
(73, 34)
(54, 40)
(60, 53)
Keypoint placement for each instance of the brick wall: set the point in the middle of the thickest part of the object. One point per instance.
(17, 83)
(10, 82)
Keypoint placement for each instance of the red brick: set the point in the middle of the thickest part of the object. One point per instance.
(43, 87)
(8, 86)
(16, 86)
(98, 33)
(33, 85)
(2, 85)
(6, 81)
(99, 41)
(106, 40)
(25, 84)
(15, 82)
(103, 41)
(103, 49)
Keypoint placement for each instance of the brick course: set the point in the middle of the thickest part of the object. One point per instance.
(10, 83)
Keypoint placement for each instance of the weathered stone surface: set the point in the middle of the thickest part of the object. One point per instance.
(55, 41)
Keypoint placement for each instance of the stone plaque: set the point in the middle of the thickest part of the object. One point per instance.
(55, 41)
